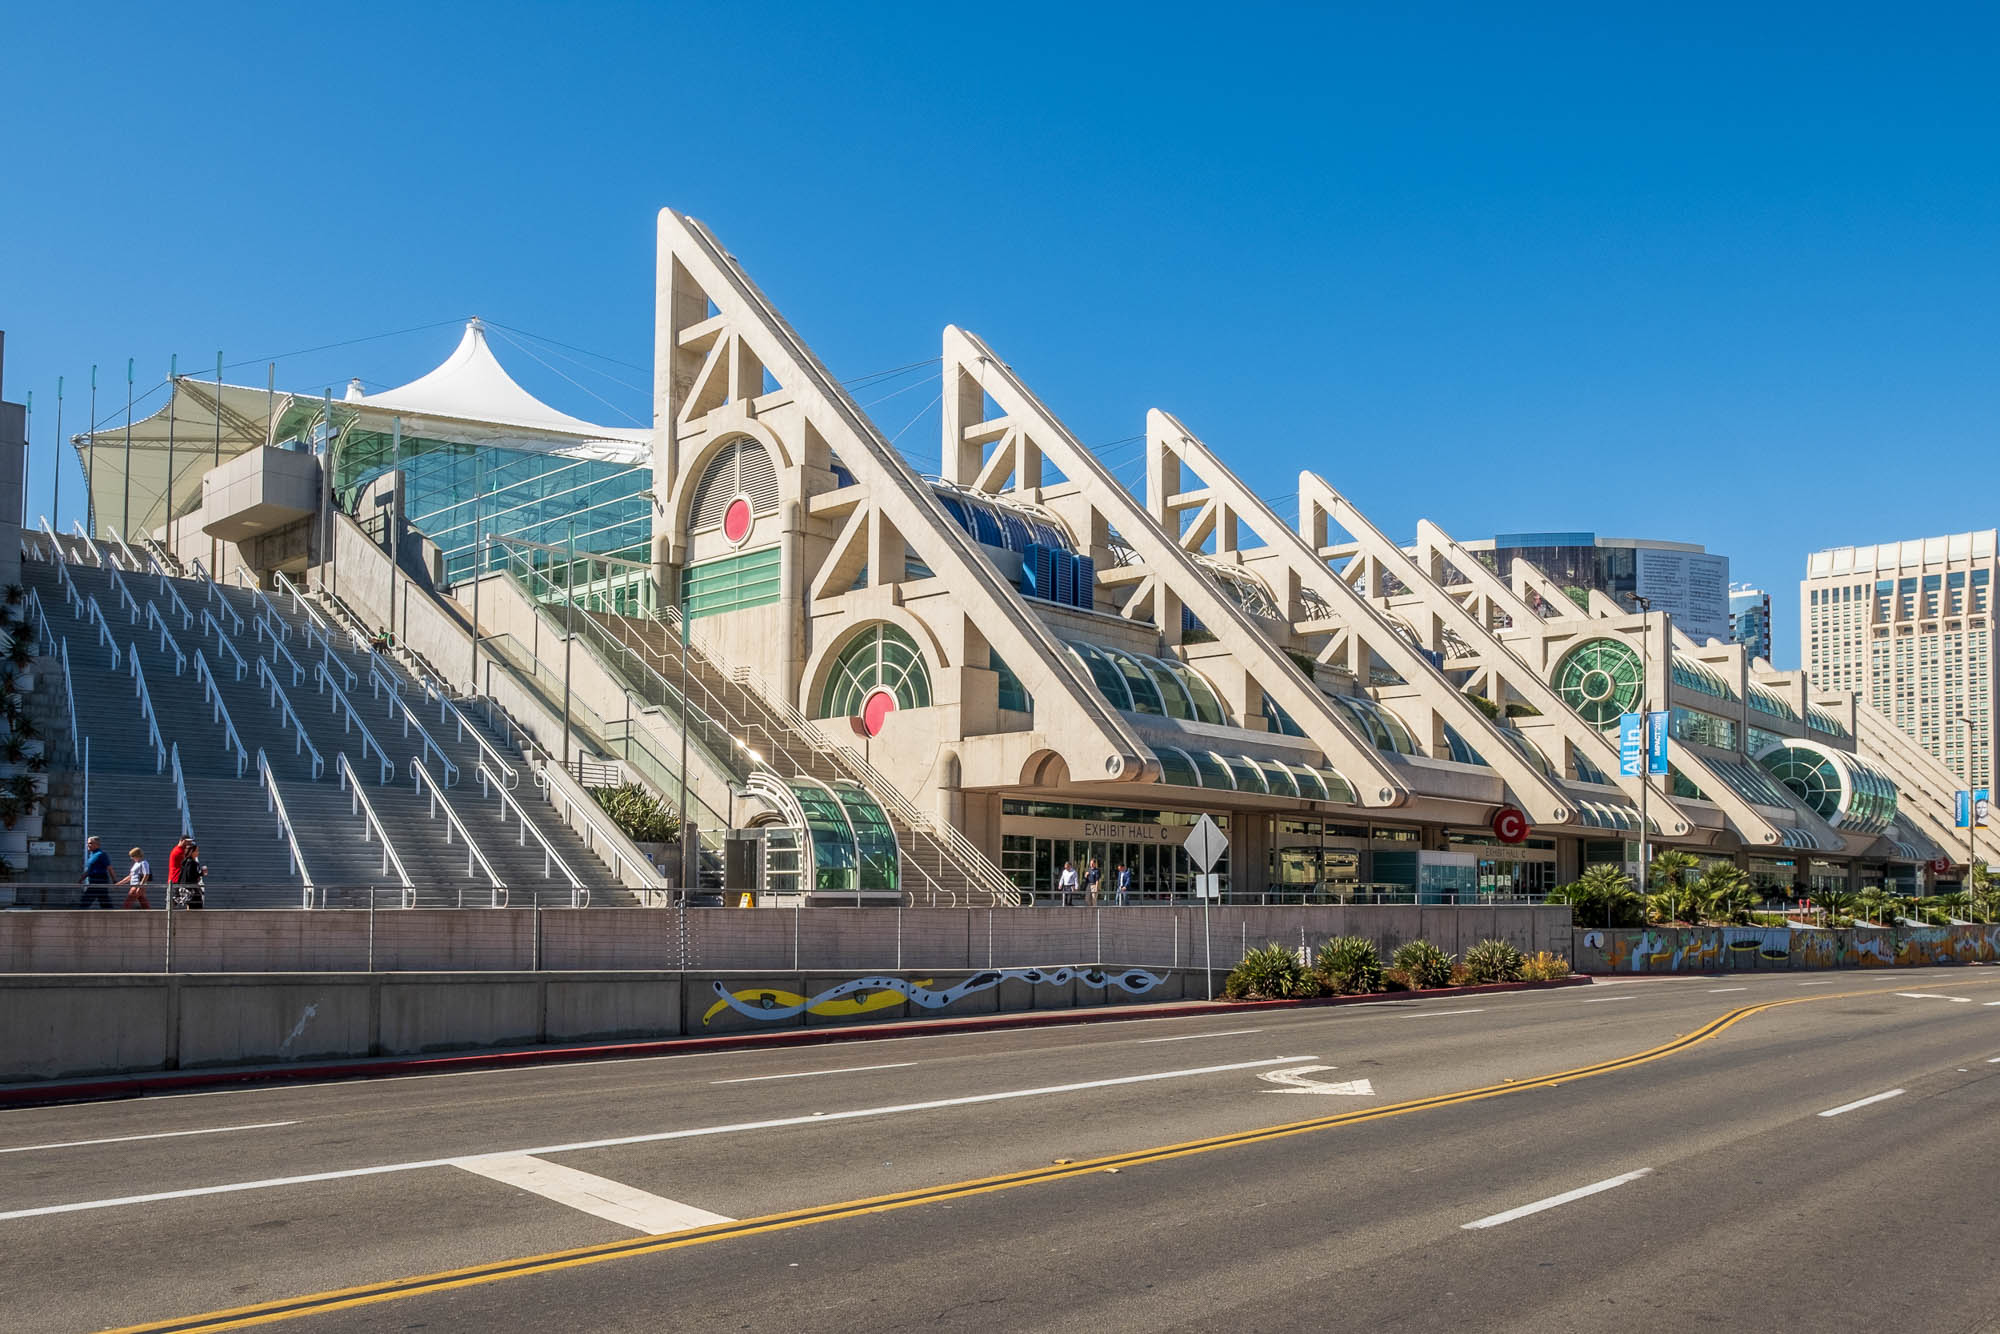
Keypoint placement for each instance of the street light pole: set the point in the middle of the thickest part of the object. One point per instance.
(1645, 742)
(1971, 806)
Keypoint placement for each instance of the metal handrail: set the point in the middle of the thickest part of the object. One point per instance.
(449, 712)
(210, 623)
(274, 803)
(71, 593)
(219, 711)
(55, 542)
(278, 646)
(104, 635)
(211, 591)
(277, 621)
(327, 659)
(489, 782)
(577, 806)
(358, 802)
(167, 641)
(131, 558)
(381, 678)
(89, 543)
(124, 591)
(430, 747)
(163, 560)
(181, 793)
(146, 710)
(286, 713)
(421, 778)
(353, 721)
(69, 691)
(316, 624)
(180, 605)
(46, 632)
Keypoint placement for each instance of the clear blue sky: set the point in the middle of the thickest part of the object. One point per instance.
(1722, 275)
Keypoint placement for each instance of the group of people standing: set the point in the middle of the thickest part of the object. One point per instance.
(185, 874)
(1091, 883)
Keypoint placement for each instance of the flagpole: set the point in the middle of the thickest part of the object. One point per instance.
(27, 452)
(55, 501)
(173, 390)
(90, 467)
(125, 520)
(215, 543)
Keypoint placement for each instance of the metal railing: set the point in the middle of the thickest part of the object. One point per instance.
(219, 712)
(287, 714)
(125, 597)
(180, 793)
(274, 804)
(576, 807)
(67, 582)
(211, 591)
(316, 624)
(353, 721)
(55, 542)
(358, 803)
(46, 635)
(180, 604)
(131, 559)
(264, 600)
(328, 659)
(278, 650)
(163, 560)
(398, 705)
(69, 698)
(449, 712)
(208, 623)
(89, 543)
(552, 861)
(104, 635)
(146, 710)
(167, 640)
(421, 778)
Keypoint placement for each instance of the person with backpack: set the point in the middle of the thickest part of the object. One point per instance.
(187, 888)
(96, 877)
(1091, 880)
(137, 879)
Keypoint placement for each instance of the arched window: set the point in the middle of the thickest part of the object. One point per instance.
(1599, 678)
(740, 469)
(879, 671)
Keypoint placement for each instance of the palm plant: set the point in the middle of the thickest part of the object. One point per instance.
(1601, 896)
(1671, 869)
(1836, 902)
(1674, 903)
(1726, 895)
(1875, 905)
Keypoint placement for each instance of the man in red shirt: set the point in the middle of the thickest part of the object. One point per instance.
(174, 861)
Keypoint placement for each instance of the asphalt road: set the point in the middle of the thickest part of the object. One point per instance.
(1696, 1180)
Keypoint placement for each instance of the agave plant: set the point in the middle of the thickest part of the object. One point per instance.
(1725, 894)
(1493, 961)
(1270, 972)
(1602, 896)
(1423, 963)
(1349, 965)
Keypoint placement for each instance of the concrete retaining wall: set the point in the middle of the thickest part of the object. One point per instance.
(1741, 949)
(564, 939)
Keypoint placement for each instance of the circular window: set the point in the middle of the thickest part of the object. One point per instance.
(875, 711)
(736, 520)
(1600, 679)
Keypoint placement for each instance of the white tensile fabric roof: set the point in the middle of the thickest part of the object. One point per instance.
(469, 399)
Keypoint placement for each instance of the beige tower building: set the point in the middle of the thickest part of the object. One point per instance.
(1909, 626)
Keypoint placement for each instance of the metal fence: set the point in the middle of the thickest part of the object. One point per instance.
(543, 932)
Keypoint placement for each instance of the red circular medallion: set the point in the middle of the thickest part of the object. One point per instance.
(1941, 865)
(875, 711)
(1510, 825)
(736, 520)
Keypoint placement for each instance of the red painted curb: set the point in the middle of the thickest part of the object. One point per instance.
(133, 1086)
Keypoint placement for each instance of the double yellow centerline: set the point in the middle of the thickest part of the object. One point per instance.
(339, 1299)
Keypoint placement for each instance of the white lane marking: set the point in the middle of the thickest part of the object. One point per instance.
(1495, 1220)
(1189, 1037)
(808, 1074)
(1439, 1014)
(163, 1134)
(1993, 1060)
(1296, 1078)
(1933, 995)
(814, 1118)
(1862, 1102)
(1816, 984)
(1717, 991)
(1992, 1002)
(613, 1201)
(1599, 1000)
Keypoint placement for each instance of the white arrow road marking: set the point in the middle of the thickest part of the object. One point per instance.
(1934, 995)
(1295, 1077)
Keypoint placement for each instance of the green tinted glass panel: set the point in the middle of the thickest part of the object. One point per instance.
(730, 584)
(1600, 679)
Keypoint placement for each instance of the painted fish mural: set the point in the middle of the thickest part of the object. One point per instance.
(863, 994)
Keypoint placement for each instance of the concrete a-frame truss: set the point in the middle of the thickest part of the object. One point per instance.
(728, 366)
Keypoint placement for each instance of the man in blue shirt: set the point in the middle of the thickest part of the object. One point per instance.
(96, 875)
(1124, 883)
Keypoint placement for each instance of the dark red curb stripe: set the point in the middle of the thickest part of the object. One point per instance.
(133, 1086)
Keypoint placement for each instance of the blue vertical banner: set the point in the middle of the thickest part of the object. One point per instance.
(1631, 745)
(1656, 742)
(1962, 815)
(1982, 806)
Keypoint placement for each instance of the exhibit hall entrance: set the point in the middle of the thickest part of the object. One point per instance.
(1039, 837)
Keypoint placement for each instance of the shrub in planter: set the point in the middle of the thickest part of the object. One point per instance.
(1424, 964)
(1270, 972)
(1493, 961)
(1349, 966)
(1395, 979)
(1543, 966)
